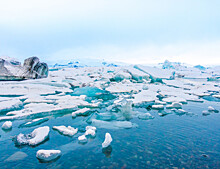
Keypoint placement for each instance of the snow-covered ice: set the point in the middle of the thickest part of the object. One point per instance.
(7, 125)
(34, 138)
(48, 155)
(83, 111)
(82, 139)
(68, 131)
(107, 141)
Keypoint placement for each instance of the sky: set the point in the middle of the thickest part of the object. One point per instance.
(130, 31)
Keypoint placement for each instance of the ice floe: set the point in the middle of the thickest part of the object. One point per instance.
(7, 125)
(68, 131)
(83, 111)
(82, 139)
(34, 138)
(34, 122)
(107, 141)
(176, 105)
(48, 155)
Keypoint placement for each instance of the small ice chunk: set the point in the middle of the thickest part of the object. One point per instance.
(210, 108)
(179, 111)
(205, 113)
(108, 140)
(176, 105)
(158, 106)
(68, 131)
(91, 127)
(160, 102)
(48, 155)
(90, 132)
(34, 122)
(7, 125)
(216, 96)
(80, 112)
(82, 139)
(163, 113)
(39, 135)
(145, 116)
(36, 137)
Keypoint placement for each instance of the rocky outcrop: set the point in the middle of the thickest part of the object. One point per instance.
(31, 69)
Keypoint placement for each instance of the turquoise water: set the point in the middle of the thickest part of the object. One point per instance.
(187, 141)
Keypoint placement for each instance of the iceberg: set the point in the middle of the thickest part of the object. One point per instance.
(67, 131)
(176, 105)
(90, 132)
(107, 141)
(7, 125)
(36, 137)
(31, 69)
(83, 112)
(48, 155)
(158, 106)
(212, 109)
(82, 139)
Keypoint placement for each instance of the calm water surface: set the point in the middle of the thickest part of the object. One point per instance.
(188, 141)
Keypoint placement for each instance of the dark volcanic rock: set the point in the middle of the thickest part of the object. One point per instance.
(31, 69)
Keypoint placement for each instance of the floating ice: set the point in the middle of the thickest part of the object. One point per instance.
(205, 113)
(176, 105)
(34, 122)
(82, 139)
(10, 105)
(83, 111)
(163, 113)
(179, 111)
(112, 124)
(36, 137)
(68, 131)
(174, 99)
(212, 109)
(48, 155)
(107, 141)
(160, 102)
(90, 132)
(91, 127)
(158, 106)
(145, 116)
(216, 96)
(7, 125)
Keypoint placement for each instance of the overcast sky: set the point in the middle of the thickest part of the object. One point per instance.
(132, 31)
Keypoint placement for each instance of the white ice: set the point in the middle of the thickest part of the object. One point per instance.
(107, 141)
(68, 131)
(48, 155)
(7, 125)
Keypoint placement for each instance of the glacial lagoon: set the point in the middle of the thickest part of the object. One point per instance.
(154, 121)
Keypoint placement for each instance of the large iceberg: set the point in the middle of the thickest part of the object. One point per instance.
(31, 69)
